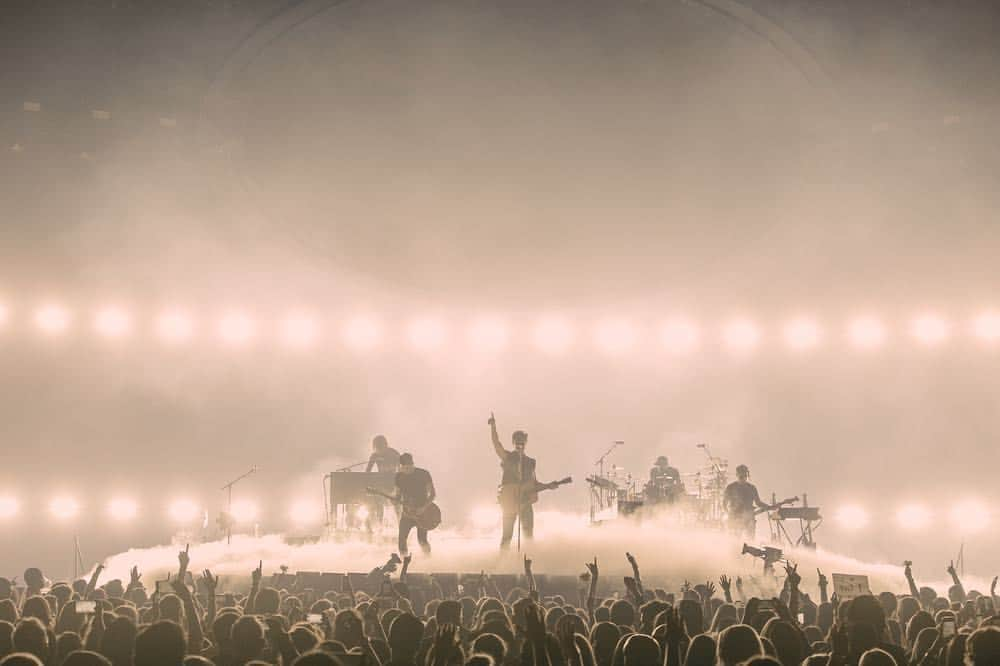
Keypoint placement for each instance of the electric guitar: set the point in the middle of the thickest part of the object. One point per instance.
(777, 505)
(426, 519)
(512, 495)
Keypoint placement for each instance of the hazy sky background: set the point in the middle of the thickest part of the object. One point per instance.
(522, 158)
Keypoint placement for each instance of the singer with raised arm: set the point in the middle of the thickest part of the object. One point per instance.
(742, 502)
(516, 485)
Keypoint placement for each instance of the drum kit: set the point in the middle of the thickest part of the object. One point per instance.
(697, 497)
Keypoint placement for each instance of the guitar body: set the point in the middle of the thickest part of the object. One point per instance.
(512, 496)
(428, 519)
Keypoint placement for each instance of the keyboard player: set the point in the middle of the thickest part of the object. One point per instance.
(384, 458)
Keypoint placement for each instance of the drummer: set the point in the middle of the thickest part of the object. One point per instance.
(664, 478)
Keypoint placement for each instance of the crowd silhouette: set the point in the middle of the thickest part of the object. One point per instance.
(190, 620)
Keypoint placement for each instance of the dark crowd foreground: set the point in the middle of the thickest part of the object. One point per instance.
(190, 621)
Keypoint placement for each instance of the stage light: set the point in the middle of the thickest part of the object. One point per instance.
(986, 326)
(852, 517)
(866, 332)
(243, 511)
(123, 509)
(4, 314)
(305, 512)
(64, 507)
(488, 334)
(802, 334)
(52, 319)
(913, 516)
(930, 329)
(362, 333)
(174, 326)
(615, 336)
(299, 331)
(9, 507)
(236, 329)
(741, 336)
(112, 322)
(426, 333)
(362, 513)
(553, 335)
(183, 511)
(679, 336)
(970, 516)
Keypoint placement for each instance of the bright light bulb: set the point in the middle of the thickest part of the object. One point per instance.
(362, 512)
(426, 333)
(174, 327)
(852, 517)
(299, 331)
(488, 334)
(64, 507)
(553, 335)
(615, 336)
(866, 332)
(802, 334)
(9, 507)
(930, 329)
(52, 319)
(913, 516)
(679, 336)
(122, 509)
(362, 333)
(236, 329)
(183, 511)
(112, 322)
(986, 326)
(971, 516)
(741, 336)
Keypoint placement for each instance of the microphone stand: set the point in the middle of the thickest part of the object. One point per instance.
(229, 503)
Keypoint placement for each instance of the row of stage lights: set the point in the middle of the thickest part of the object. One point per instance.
(552, 334)
(968, 516)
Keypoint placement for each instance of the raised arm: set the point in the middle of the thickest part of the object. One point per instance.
(532, 590)
(92, 583)
(592, 593)
(823, 598)
(792, 580)
(908, 572)
(194, 628)
(955, 579)
(497, 446)
(211, 584)
(726, 583)
(635, 574)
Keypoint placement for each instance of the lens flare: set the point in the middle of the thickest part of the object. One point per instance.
(64, 507)
(183, 511)
(305, 512)
(852, 517)
(971, 516)
(52, 319)
(122, 509)
(112, 322)
(802, 334)
(866, 332)
(930, 329)
(9, 507)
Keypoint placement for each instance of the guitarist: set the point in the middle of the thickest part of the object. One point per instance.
(518, 485)
(415, 492)
(741, 499)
